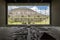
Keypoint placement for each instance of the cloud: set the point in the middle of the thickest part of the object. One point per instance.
(45, 12)
(48, 11)
(35, 9)
(12, 7)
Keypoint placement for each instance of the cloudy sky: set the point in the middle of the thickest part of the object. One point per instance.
(40, 9)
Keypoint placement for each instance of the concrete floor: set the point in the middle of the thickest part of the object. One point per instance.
(9, 33)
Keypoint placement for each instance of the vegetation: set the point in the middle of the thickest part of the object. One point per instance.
(43, 22)
(21, 16)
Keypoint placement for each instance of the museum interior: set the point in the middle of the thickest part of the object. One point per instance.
(29, 20)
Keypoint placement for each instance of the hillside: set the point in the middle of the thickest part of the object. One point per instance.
(25, 16)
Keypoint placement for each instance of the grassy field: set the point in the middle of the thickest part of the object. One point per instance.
(44, 22)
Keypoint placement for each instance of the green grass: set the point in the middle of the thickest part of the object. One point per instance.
(44, 22)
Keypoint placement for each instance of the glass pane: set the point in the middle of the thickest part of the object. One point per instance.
(29, 14)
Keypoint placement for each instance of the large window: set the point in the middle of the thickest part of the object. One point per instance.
(28, 14)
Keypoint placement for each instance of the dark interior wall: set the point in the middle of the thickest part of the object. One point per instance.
(55, 13)
(2, 13)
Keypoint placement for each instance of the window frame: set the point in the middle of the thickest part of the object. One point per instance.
(28, 24)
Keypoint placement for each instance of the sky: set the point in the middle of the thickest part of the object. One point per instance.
(40, 9)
